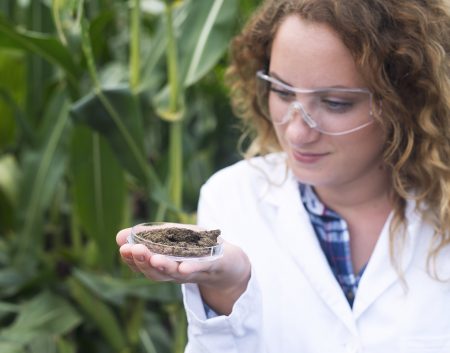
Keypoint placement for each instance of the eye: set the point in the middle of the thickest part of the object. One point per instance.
(282, 93)
(337, 106)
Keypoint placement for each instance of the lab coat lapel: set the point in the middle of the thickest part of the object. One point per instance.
(380, 273)
(298, 238)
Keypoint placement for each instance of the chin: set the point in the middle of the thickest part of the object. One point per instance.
(307, 179)
(308, 176)
(318, 179)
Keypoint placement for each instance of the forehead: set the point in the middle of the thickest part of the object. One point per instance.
(311, 54)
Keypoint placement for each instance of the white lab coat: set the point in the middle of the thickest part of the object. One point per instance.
(293, 303)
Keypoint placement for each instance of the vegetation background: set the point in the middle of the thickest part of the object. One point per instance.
(112, 112)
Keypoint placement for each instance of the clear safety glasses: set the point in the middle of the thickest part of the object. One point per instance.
(332, 111)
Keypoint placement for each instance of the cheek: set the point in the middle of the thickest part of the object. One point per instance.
(280, 133)
(365, 146)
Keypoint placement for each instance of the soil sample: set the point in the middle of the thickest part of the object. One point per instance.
(178, 241)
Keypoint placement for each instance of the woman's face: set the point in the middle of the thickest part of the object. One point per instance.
(311, 55)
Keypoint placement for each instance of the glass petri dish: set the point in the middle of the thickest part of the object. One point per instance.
(178, 251)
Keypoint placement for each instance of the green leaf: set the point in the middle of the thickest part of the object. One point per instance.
(98, 26)
(49, 313)
(124, 136)
(42, 169)
(99, 313)
(12, 82)
(16, 113)
(11, 347)
(45, 316)
(11, 280)
(65, 346)
(8, 307)
(204, 30)
(153, 74)
(98, 191)
(46, 46)
(205, 36)
(118, 290)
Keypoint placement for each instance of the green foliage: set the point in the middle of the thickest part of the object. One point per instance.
(112, 113)
(98, 190)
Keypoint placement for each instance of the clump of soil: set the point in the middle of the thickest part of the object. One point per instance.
(179, 241)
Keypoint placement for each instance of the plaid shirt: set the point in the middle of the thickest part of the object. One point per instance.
(334, 239)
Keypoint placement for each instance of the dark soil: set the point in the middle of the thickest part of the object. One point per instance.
(178, 241)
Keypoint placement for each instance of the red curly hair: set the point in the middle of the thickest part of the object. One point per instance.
(402, 49)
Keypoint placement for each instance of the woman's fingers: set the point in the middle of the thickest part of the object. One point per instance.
(141, 258)
(127, 257)
(159, 267)
(121, 237)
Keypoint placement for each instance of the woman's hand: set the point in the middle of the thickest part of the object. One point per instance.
(221, 282)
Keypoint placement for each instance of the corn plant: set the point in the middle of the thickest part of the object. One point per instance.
(111, 113)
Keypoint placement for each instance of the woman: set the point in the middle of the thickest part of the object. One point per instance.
(337, 223)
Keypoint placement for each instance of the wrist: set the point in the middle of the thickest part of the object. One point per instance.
(226, 283)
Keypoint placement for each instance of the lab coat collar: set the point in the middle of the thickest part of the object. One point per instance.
(298, 237)
(380, 272)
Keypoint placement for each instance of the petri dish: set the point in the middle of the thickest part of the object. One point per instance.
(180, 250)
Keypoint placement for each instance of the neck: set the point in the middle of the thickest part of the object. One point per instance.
(358, 196)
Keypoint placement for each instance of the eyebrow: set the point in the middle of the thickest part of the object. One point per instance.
(277, 77)
(274, 75)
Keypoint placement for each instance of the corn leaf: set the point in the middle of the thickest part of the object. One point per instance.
(98, 191)
(46, 46)
(42, 170)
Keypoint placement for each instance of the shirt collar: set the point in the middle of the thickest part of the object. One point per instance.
(312, 203)
(311, 200)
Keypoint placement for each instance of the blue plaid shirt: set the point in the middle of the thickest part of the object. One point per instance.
(334, 239)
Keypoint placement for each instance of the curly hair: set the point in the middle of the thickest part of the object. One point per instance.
(402, 49)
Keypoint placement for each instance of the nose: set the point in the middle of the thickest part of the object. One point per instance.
(296, 108)
(302, 130)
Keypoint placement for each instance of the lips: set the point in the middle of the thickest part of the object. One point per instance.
(308, 157)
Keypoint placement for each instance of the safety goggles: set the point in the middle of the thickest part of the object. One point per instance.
(332, 111)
